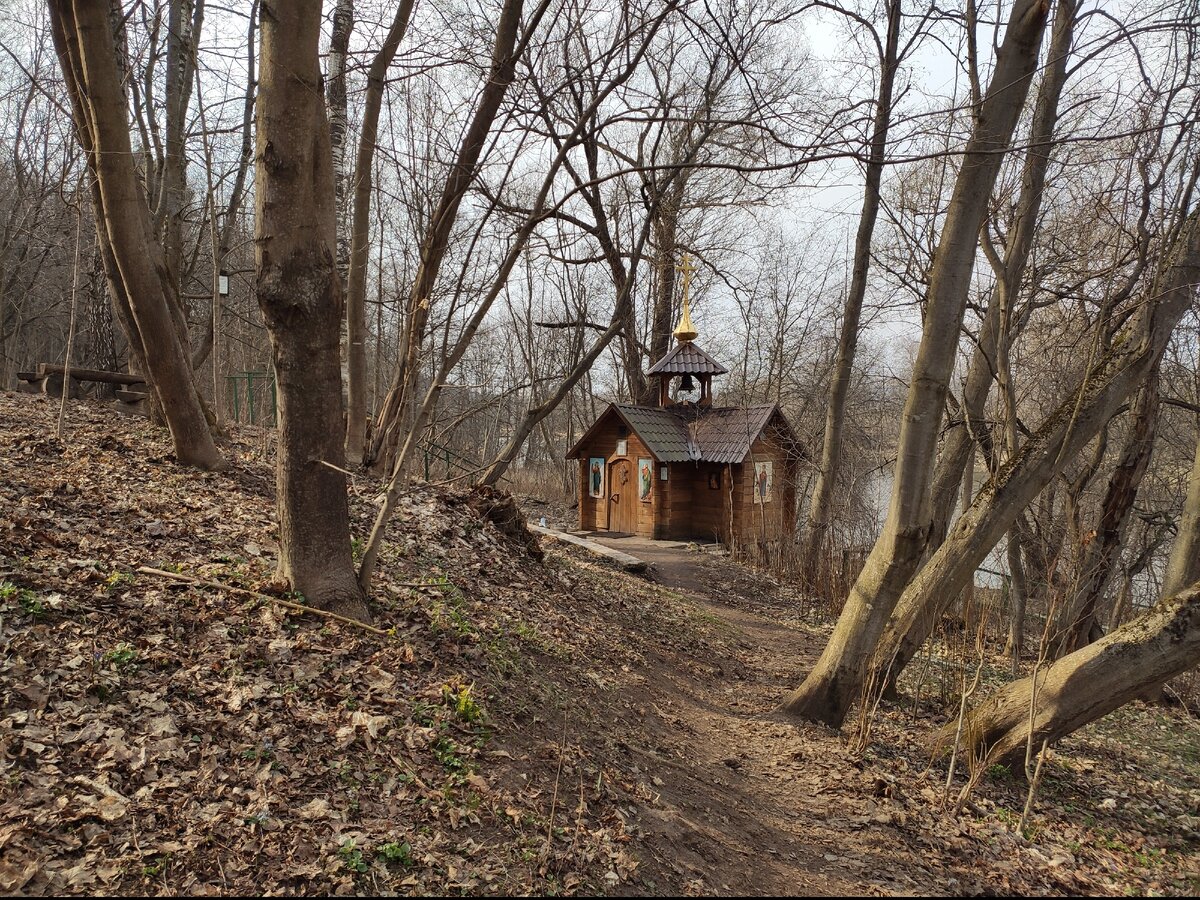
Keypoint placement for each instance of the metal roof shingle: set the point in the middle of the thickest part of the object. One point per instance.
(687, 359)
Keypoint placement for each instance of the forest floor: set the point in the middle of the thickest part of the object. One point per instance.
(525, 725)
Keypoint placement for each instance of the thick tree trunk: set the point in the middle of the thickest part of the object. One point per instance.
(836, 681)
(666, 229)
(1087, 684)
(813, 549)
(301, 301)
(84, 41)
(360, 236)
(1060, 438)
(1078, 625)
(389, 422)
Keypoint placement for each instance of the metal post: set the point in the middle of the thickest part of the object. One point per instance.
(250, 395)
(237, 390)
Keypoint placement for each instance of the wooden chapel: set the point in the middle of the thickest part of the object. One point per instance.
(687, 469)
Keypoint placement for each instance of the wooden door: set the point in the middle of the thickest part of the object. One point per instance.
(622, 497)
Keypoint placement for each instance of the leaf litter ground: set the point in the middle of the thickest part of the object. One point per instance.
(550, 727)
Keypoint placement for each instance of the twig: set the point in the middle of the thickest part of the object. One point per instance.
(562, 747)
(298, 607)
(322, 462)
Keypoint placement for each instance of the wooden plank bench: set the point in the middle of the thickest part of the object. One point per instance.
(49, 380)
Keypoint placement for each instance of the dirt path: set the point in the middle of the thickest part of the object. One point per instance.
(758, 803)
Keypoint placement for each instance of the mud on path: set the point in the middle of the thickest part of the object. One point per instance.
(748, 802)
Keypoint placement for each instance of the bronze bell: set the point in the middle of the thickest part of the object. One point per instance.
(686, 385)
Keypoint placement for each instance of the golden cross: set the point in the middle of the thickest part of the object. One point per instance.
(687, 269)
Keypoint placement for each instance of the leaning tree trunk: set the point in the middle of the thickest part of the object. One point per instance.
(360, 237)
(836, 680)
(389, 423)
(1078, 624)
(1087, 684)
(998, 330)
(301, 301)
(1064, 434)
(813, 549)
(84, 43)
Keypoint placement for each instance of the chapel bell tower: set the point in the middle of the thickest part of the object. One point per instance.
(686, 361)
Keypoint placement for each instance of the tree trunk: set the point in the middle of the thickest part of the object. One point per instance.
(813, 550)
(1183, 567)
(180, 69)
(360, 236)
(339, 122)
(1060, 438)
(1018, 595)
(666, 227)
(1087, 684)
(1078, 624)
(971, 428)
(301, 301)
(389, 422)
(836, 681)
(234, 207)
(84, 42)
(999, 328)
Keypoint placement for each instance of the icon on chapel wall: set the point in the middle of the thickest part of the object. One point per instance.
(645, 478)
(596, 476)
(714, 481)
(764, 482)
(622, 447)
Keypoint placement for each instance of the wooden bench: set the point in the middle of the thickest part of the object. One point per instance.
(49, 379)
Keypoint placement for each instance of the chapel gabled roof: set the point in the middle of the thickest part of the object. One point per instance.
(720, 434)
(687, 359)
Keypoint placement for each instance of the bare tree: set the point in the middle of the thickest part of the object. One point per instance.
(506, 50)
(360, 235)
(137, 273)
(816, 532)
(833, 685)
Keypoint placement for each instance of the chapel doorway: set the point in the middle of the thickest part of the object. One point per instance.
(622, 498)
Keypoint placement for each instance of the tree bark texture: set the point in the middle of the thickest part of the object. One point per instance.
(814, 548)
(339, 121)
(389, 422)
(133, 257)
(836, 680)
(360, 237)
(301, 301)
(1087, 684)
